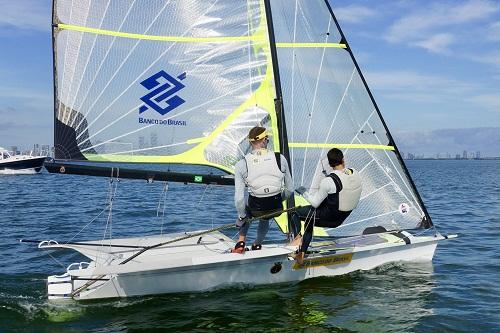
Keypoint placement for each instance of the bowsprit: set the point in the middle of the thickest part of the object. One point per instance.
(163, 90)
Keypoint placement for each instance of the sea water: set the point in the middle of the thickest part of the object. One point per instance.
(458, 292)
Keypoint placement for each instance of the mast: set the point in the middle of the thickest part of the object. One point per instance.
(427, 223)
(54, 71)
(278, 102)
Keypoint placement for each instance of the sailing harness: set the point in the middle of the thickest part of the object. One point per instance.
(265, 178)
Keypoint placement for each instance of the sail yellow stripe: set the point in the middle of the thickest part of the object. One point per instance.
(184, 39)
(181, 39)
(282, 220)
(311, 45)
(338, 145)
(195, 140)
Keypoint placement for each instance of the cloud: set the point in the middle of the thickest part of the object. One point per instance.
(415, 82)
(27, 96)
(413, 87)
(354, 13)
(7, 125)
(453, 141)
(491, 101)
(7, 110)
(414, 28)
(439, 15)
(494, 32)
(438, 43)
(489, 58)
(26, 14)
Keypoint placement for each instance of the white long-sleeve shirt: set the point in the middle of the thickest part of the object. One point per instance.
(241, 173)
(326, 186)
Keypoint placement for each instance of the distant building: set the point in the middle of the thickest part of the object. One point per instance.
(45, 150)
(464, 155)
(478, 155)
(142, 142)
(457, 156)
(14, 150)
(154, 140)
(36, 149)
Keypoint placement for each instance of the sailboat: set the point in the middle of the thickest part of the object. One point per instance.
(182, 82)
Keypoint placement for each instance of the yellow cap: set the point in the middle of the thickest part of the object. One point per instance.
(260, 136)
(258, 133)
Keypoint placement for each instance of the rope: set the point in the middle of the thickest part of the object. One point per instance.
(201, 233)
(112, 193)
(164, 197)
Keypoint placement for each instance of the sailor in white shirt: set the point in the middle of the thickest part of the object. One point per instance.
(269, 182)
(338, 194)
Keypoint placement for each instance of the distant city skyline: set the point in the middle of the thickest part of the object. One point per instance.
(464, 156)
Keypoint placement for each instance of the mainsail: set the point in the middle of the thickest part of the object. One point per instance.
(161, 81)
(183, 82)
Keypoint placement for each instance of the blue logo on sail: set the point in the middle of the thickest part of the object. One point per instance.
(162, 98)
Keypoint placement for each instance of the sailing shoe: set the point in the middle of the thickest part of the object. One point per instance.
(256, 247)
(239, 248)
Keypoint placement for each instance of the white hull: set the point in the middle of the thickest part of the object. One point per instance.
(208, 265)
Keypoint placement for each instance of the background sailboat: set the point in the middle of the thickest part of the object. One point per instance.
(183, 82)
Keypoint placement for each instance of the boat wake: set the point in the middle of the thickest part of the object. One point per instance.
(18, 172)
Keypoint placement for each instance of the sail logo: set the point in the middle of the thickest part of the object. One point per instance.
(163, 96)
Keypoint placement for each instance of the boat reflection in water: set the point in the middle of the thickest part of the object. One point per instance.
(365, 301)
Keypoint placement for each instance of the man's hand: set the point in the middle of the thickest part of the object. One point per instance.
(301, 190)
(240, 221)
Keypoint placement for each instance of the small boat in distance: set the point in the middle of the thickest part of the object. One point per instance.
(11, 164)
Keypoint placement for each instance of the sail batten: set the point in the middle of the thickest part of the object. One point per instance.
(339, 145)
(179, 39)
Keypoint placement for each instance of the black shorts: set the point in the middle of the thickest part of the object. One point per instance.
(265, 206)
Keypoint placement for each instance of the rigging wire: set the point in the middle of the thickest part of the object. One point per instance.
(57, 261)
(112, 189)
(95, 218)
(160, 201)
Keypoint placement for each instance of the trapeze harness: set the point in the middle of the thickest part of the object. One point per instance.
(265, 182)
(337, 206)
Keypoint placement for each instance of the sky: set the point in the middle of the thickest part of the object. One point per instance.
(431, 65)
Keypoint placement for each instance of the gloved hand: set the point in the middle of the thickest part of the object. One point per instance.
(240, 221)
(301, 190)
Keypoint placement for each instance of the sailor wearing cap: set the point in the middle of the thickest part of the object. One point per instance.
(267, 176)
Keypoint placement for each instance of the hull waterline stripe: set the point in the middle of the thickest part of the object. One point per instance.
(182, 39)
(338, 145)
